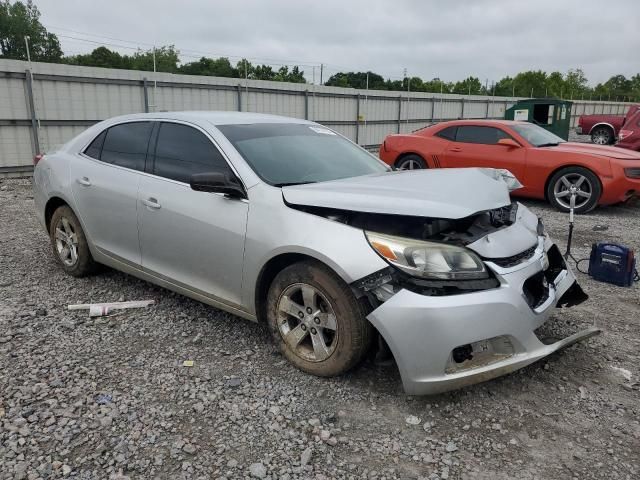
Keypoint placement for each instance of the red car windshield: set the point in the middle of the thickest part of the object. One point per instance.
(537, 136)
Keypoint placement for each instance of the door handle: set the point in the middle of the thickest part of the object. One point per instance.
(84, 181)
(455, 149)
(151, 203)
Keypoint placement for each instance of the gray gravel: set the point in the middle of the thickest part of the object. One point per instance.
(111, 399)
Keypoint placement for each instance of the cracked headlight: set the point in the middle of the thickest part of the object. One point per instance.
(430, 260)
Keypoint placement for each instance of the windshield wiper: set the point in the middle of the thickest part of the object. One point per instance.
(289, 184)
(550, 144)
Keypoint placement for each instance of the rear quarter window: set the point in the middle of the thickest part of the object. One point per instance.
(448, 133)
(95, 148)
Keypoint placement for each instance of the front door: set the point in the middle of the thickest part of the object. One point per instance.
(477, 146)
(192, 239)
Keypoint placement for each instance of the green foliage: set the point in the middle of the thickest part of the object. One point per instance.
(18, 20)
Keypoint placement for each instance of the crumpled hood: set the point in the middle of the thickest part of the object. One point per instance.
(602, 150)
(440, 193)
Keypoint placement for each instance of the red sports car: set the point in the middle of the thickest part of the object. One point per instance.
(546, 165)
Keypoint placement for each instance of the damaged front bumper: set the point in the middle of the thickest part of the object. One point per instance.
(446, 342)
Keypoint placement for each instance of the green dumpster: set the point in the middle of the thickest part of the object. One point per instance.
(550, 113)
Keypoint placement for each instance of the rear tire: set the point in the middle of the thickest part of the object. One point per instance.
(411, 162)
(69, 243)
(602, 136)
(316, 321)
(587, 183)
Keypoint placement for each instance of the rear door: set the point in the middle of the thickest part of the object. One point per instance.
(105, 180)
(192, 239)
(477, 146)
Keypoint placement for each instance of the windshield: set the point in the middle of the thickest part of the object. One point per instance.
(537, 136)
(289, 153)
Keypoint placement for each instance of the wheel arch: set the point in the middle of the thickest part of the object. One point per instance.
(406, 154)
(562, 167)
(51, 206)
(603, 124)
(268, 273)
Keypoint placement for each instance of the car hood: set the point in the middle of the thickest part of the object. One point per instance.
(441, 193)
(602, 150)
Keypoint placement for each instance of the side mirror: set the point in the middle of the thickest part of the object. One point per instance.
(508, 142)
(217, 182)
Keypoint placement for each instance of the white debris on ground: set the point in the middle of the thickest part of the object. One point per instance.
(107, 397)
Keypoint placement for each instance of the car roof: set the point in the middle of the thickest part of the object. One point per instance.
(213, 117)
(480, 121)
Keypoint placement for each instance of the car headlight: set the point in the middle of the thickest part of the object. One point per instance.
(430, 260)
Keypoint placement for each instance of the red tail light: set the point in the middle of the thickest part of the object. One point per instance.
(37, 158)
(624, 134)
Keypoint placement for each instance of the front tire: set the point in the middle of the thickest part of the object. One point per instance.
(69, 243)
(316, 321)
(411, 162)
(586, 184)
(602, 136)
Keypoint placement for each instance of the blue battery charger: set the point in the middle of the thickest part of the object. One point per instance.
(613, 263)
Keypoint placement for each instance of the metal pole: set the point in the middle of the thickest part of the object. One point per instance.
(399, 111)
(26, 42)
(155, 82)
(239, 97)
(441, 100)
(358, 118)
(366, 105)
(306, 104)
(145, 94)
(32, 111)
(321, 71)
(462, 110)
(246, 82)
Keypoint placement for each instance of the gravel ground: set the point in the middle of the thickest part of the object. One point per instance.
(110, 398)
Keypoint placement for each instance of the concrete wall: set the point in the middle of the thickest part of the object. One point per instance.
(67, 99)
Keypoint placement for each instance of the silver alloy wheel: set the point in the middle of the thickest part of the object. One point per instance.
(410, 164)
(66, 242)
(601, 137)
(562, 190)
(307, 322)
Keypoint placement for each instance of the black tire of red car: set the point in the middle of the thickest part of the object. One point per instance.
(350, 337)
(67, 236)
(602, 136)
(590, 183)
(411, 162)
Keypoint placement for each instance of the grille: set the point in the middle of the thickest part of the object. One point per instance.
(514, 260)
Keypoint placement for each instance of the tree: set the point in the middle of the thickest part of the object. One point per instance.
(18, 20)
(101, 57)
(357, 80)
(166, 59)
(220, 67)
(468, 86)
(576, 83)
(554, 86)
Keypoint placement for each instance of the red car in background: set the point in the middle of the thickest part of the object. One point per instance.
(629, 136)
(604, 128)
(546, 165)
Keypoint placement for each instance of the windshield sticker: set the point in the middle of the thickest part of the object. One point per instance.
(324, 131)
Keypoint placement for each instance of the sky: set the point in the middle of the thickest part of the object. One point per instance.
(449, 40)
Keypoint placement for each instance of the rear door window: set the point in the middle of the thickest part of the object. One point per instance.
(448, 133)
(182, 151)
(126, 145)
(480, 134)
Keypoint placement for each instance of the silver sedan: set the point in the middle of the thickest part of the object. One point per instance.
(286, 222)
